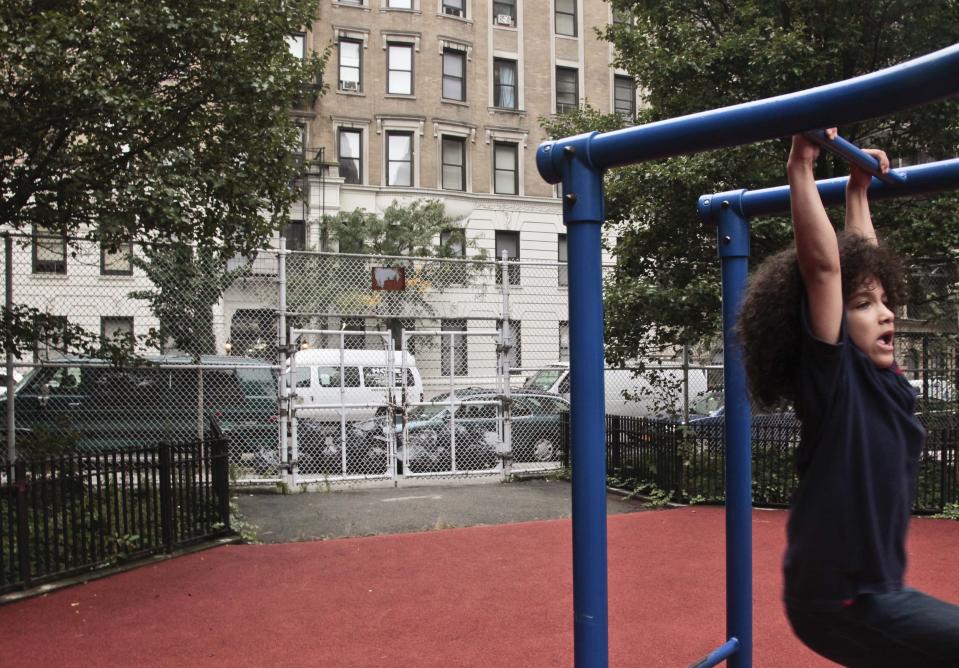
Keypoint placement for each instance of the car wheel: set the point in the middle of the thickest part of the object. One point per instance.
(544, 450)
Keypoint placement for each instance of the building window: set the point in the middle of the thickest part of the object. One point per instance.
(400, 4)
(505, 169)
(454, 75)
(454, 8)
(562, 258)
(399, 69)
(295, 233)
(116, 329)
(504, 83)
(49, 252)
(454, 163)
(624, 97)
(353, 341)
(453, 349)
(566, 17)
(117, 263)
(453, 242)
(563, 341)
(504, 12)
(297, 44)
(515, 356)
(567, 89)
(349, 76)
(509, 242)
(399, 158)
(349, 146)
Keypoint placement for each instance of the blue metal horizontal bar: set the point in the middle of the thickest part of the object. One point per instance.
(855, 155)
(913, 83)
(925, 179)
(718, 655)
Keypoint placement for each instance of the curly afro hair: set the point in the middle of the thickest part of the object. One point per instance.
(768, 327)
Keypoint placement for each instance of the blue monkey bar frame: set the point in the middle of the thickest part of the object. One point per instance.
(579, 162)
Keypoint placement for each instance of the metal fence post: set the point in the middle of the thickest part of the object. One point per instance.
(8, 318)
(23, 526)
(221, 478)
(506, 345)
(166, 496)
(284, 393)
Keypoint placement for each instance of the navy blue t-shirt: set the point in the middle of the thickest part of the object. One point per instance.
(857, 460)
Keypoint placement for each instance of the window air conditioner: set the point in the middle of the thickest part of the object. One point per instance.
(350, 85)
(504, 20)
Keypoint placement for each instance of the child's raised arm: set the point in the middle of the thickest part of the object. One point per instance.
(858, 219)
(817, 248)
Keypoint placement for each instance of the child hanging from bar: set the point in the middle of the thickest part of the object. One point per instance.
(817, 327)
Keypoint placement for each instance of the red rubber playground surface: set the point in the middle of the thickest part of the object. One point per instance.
(481, 596)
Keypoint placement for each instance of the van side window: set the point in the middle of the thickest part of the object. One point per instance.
(329, 376)
(374, 376)
(301, 377)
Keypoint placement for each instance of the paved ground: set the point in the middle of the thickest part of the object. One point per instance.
(279, 518)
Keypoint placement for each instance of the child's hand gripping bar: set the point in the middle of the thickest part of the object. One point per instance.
(853, 154)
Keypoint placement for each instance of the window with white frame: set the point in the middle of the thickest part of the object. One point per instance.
(566, 17)
(504, 83)
(509, 242)
(116, 262)
(295, 233)
(453, 350)
(624, 96)
(505, 168)
(454, 75)
(455, 8)
(297, 44)
(567, 89)
(399, 158)
(350, 51)
(350, 154)
(453, 242)
(49, 251)
(400, 4)
(399, 59)
(504, 13)
(561, 257)
(454, 163)
(563, 340)
(116, 329)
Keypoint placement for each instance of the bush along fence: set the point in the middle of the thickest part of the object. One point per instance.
(687, 461)
(68, 514)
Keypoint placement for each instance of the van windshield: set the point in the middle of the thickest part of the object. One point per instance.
(544, 379)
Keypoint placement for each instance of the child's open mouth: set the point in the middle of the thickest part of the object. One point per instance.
(886, 339)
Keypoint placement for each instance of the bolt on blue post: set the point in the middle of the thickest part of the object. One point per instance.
(583, 215)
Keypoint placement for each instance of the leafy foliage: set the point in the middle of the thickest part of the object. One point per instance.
(151, 121)
(321, 283)
(693, 56)
(189, 283)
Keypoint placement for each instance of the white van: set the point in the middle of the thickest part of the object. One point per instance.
(628, 394)
(326, 379)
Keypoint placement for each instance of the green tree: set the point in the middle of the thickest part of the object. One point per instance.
(151, 121)
(693, 56)
(407, 237)
(188, 284)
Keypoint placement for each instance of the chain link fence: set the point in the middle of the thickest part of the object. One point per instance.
(323, 367)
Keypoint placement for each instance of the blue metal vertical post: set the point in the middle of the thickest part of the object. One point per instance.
(733, 241)
(583, 215)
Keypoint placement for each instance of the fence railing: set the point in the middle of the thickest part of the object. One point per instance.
(73, 513)
(689, 461)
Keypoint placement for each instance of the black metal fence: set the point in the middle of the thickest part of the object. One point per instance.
(68, 514)
(689, 461)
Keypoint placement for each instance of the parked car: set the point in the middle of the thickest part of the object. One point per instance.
(326, 379)
(626, 393)
(89, 404)
(471, 419)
